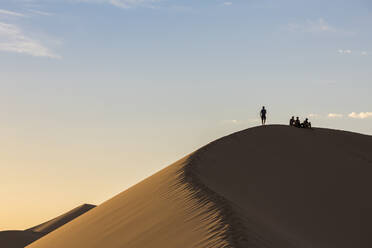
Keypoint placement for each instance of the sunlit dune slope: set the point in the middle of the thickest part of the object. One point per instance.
(161, 211)
(19, 239)
(272, 186)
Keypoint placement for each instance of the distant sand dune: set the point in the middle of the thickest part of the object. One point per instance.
(59, 221)
(272, 186)
(19, 239)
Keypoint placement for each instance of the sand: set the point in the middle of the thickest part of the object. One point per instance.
(272, 186)
(59, 221)
(19, 239)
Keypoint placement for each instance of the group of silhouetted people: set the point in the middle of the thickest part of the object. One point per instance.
(292, 122)
(297, 123)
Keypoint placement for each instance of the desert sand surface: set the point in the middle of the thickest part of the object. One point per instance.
(271, 186)
(19, 239)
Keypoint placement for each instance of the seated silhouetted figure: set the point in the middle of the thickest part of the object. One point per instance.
(297, 122)
(306, 124)
(292, 121)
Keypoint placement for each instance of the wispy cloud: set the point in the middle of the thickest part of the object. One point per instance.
(361, 115)
(10, 13)
(227, 3)
(319, 25)
(341, 51)
(231, 121)
(41, 13)
(124, 4)
(240, 122)
(121, 4)
(348, 52)
(13, 39)
(335, 115)
(316, 26)
(314, 115)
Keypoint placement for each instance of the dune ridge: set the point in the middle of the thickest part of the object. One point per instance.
(229, 225)
(233, 227)
(271, 186)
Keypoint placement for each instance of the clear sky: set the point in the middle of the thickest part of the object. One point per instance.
(96, 95)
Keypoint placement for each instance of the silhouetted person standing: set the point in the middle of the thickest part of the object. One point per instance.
(263, 115)
(292, 121)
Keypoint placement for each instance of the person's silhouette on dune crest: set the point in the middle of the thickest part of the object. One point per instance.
(263, 115)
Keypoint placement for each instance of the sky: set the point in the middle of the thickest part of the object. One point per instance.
(96, 95)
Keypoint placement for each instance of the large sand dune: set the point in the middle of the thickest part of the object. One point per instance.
(272, 186)
(19, 239)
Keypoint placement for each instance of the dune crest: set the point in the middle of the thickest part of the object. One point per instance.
(271, 186)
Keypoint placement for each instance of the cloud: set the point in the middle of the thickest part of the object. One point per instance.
(361, 115)
(38, 12)
(240, 122)
(232, 121)
(227, 3)
(316, 26)
(348, 51)
(319, 26)
(314, 115)
(120, 4)
(334, 115)
(340, 51)
(133, 3)
(11, 13)
(13, 39)
(124, 4)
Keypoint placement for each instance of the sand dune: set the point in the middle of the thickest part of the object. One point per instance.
(19, 239)
(59, 221)
(272, 186)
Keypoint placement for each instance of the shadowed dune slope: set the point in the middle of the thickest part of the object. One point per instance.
(272, 186)
(19, 239)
